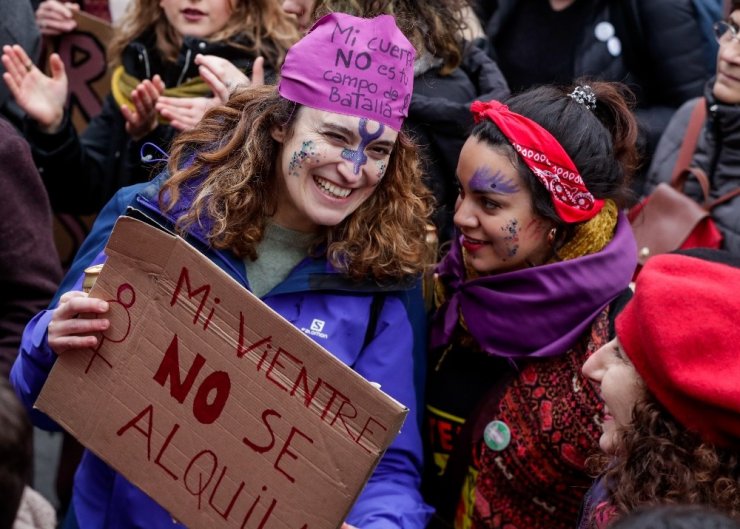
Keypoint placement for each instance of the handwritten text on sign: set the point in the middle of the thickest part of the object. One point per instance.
(218, 408)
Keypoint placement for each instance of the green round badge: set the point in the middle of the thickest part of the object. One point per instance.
(497, 435)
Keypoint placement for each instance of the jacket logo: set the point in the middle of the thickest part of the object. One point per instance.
(317, 329)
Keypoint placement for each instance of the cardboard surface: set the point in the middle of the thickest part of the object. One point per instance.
(210, 402)
(83, 52)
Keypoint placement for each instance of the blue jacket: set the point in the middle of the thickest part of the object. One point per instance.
(391, 499)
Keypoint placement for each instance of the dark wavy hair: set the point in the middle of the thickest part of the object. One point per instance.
(660, 462)
(432, 25)
(601, 142)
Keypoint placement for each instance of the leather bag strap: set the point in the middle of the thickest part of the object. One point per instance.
(690, 138)
(709, 206)
(699, 175)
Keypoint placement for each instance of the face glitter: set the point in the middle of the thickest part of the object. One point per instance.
(512, 237)
(382, 166)
(307, 149)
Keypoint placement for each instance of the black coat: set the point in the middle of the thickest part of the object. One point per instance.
(82, 172)
(440, 120)
(662, 52)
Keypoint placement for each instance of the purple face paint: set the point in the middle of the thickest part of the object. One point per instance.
(511, 231)
(358, 157)
(307, 149)
(486, 181)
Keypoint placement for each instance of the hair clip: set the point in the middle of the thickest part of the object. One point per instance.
(585, 96)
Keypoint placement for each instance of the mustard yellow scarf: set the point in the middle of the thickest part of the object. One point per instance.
(122, 84)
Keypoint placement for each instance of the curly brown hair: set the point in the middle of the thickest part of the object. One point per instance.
(384, 239)
(659, 461)
(436, 26)
(262, 21)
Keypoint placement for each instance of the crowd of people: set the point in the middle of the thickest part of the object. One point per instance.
(463, 219)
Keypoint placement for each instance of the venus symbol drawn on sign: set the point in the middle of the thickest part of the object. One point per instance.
(118, 312)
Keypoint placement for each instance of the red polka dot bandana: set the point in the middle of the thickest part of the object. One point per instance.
(546, 158)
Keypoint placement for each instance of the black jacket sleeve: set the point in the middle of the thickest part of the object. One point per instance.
(82, 172)
(670, 64)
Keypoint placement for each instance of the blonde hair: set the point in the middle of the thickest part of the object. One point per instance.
(267, 27)
(228, 163)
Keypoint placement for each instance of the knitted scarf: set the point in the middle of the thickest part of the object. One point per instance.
(542, 311)
(122, 84)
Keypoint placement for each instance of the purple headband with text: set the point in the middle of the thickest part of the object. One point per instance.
(362, 67)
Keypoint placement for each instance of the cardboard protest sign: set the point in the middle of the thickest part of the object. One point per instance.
(210, 402)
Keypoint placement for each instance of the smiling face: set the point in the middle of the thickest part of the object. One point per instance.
(500, 230)
(328, 165)
(197, 18)
(620, 387)
(727, 86)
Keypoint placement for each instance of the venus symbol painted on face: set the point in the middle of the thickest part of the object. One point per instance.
(307, 149)
(358, 157)
(486, 181)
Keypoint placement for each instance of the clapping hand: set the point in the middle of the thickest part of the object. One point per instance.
(40, 96)
(222, 77)
(54, 18)
(143, 118)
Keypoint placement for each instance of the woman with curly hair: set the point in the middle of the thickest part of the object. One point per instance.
(450, 73)
(669, 380)
(317, 207)
(523, 297)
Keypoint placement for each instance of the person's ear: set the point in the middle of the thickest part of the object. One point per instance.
(279, 133)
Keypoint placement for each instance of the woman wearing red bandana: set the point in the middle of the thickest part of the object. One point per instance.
(522, 298)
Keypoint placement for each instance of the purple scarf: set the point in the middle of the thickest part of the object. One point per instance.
(535, 312)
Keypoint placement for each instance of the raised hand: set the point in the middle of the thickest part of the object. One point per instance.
(68, 331)
(223, 77)
(40, 96)
(185, 112)
(54, 18)
(143, 118)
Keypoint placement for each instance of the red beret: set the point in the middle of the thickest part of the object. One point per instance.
(682, 333)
